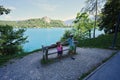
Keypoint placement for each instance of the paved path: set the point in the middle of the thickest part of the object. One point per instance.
(29, 67)
(109, 71)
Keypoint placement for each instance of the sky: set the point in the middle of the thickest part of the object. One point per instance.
(54, 9)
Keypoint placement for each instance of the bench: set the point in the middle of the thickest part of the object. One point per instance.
(46, 49)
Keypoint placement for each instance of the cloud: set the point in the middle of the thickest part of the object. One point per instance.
(43, 5)
(69, 17)
(10, 7)
(48, 7)
(8, 17)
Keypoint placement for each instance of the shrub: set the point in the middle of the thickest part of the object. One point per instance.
(11, 40)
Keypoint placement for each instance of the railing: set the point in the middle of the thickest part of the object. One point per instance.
(45, 49)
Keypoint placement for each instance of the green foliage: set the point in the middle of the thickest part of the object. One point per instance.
(109, 16)
(11, 40)
(102, 41)
(93, 7)
(92, 4)
(34, 23)
(4, 10)
(6, 58)
(66, 35)
(57, 23)
(43, 61)
(82, 26)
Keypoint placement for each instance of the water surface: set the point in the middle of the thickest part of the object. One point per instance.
(42, 36)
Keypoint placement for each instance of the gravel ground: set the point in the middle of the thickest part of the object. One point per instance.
(29, 67)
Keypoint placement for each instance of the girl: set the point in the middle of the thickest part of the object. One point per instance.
(59, 49)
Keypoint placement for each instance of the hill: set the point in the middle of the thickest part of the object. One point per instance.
(35, 23)
(69, 22)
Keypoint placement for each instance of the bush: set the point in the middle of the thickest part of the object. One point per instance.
(11, 40)
(102, 41)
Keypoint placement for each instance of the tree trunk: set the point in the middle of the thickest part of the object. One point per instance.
(89, 33)
(95, 20)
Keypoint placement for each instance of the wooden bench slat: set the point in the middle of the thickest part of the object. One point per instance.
(56, 52)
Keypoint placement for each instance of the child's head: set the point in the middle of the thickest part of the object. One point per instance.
(58, 43)
(71, 35)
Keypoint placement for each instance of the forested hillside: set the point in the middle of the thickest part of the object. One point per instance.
(35, 23)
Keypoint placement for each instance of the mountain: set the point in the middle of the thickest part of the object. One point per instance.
(69, 22)
(37, 23)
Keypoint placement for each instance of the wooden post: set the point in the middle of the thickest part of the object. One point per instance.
(75, 46)
(46, 54)
(43, 50)
(75, 49)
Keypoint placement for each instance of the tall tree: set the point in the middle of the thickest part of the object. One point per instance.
(10, 38)
(92, 7)
(109, 16)
(83, 24)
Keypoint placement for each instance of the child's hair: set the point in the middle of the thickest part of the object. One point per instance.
(71, 35)
(57, 43)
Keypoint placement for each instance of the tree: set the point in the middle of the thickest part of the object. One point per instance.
(92, 7)
(11, 40)
(66, 35)
(83, 25)
(4, 10)
(109, 16)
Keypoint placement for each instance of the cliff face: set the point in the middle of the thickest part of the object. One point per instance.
(46, 19)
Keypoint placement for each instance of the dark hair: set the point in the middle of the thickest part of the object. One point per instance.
(71, 35)
(57, 42)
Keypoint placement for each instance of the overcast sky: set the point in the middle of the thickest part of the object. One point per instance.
(55, 9)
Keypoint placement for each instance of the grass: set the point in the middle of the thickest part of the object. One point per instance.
(102, 41)
(95, 67)
(44, 62)
(6, 58)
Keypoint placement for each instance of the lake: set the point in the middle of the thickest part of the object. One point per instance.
(45, 36)
(42, 36)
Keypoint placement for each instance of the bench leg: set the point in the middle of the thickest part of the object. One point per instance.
(75, 50)
(46, 55)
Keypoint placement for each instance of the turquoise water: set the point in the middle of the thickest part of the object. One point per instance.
(42, 36)
(45, 36)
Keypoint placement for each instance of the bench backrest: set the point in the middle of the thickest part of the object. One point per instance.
(45, 49)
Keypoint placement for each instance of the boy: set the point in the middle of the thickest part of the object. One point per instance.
(70, 40)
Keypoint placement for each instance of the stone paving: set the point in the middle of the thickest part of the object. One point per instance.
(30, 68)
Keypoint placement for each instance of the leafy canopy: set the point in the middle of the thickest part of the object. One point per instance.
(4, 10)
(11, 40)
(109, 16)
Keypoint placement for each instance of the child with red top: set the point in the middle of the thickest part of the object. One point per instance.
(59, 49)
